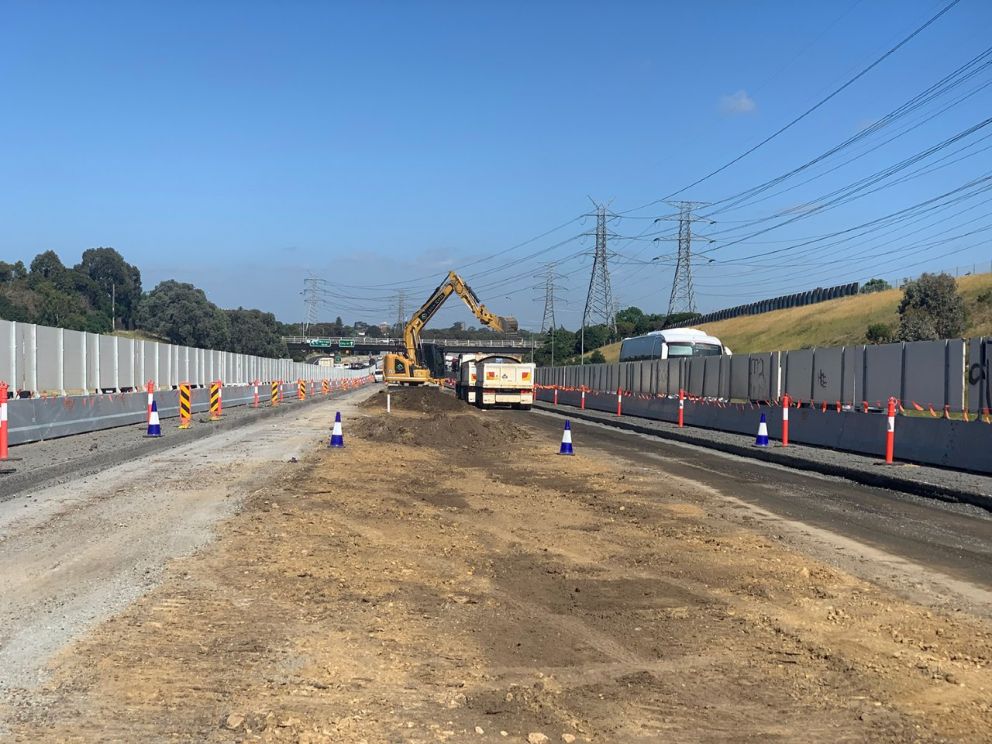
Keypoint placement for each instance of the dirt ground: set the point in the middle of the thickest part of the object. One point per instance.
(504, 593)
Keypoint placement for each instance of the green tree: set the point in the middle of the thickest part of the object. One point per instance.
(182, 314)
(631, 321)
(931, 308)
(875, 285)
(880, 333)
(115, 282)
(597, 357)
(46, 266)
(255, 332)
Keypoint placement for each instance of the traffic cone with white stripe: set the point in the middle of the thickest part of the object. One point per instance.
(154, 427)
(762, 438)
(566, 440)
(337, 437)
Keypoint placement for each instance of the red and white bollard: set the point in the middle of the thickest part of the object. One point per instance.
(890, 432)
(619, 401)
(150, 388)
(3, 420)
(255, 396)
(582, 403)
(681, 408)
(556, 395)
(786, 402)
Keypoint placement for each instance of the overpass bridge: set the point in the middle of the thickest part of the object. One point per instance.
(374, 345)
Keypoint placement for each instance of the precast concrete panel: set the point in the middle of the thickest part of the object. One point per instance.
(8, 371)
(149, 353)
(74, 362)
(138, 362)
(125, 364)
(49, 361)
(956, 370)
(762, 376)
(799, 374)
(696, 374)
(979, 375)
(27, 357)
(828, 374)
(711, 377)
(92, 362)
(165, 365)
(924, 373)
(108, 363)
(725, 377)
(739, 389)
(850, 381)
(883, 372)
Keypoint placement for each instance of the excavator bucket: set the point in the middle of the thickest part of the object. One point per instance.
(510, 324)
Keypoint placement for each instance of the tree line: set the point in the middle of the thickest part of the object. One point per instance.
(103, 293)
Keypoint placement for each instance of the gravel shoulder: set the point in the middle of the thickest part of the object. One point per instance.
(473, 585)
(75, 553)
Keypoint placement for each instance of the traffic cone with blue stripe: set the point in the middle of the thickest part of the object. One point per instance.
(337, 437)
(762, 438)
(154, 427)
(566, 440)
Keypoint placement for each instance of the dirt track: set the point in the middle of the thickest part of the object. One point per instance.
(465, 592)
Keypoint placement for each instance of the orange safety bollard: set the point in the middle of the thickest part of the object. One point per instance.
(185, 407)
(619, 401)
(215, 410)
(582, 402)
(890, 432)
(275, 394)
(3, 421)
(301, 389)
(681, 408)
(556, 395)
(280, 391)
(785, 420)
(255, 395)
(324, 387)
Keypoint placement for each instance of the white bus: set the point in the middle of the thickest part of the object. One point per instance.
(675, 342)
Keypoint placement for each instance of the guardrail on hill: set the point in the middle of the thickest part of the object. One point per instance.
(800, 299)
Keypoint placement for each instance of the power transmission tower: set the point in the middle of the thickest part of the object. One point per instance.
(599, 299)
(400, 312)
(682, 298)
(548, 322)
(311, 301)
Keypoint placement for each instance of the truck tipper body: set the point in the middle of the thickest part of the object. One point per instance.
(465, 386)
(503, 381)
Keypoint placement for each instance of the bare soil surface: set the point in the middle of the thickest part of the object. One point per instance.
(504, 593)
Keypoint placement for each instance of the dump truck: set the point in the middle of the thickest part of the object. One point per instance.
(411, 368)
(503, 380)
(465, 382)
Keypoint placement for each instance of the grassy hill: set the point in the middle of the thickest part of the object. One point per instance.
(834, 323)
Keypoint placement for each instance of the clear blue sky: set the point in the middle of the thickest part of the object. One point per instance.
(239, 145)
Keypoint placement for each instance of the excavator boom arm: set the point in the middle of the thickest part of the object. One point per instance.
(452, 284)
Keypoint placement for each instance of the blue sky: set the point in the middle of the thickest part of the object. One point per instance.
(240, 146)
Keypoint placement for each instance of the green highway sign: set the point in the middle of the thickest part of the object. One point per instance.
(347, 343)
(317, 342)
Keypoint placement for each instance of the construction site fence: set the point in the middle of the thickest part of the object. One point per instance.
(40, 361)
(932, 377)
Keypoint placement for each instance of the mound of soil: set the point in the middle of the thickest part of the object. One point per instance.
(467, 430)
(425, 399)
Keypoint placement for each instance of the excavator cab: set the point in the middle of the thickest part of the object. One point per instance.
(398, 370)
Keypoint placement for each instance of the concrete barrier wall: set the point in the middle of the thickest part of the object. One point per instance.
(946, 443)
(38, 419)
(42, 361)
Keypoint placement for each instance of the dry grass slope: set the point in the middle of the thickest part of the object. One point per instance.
(836, 322)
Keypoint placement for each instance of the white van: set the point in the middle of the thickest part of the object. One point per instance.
(670, 344)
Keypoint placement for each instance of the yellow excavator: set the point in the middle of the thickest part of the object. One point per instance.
(407, 369)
